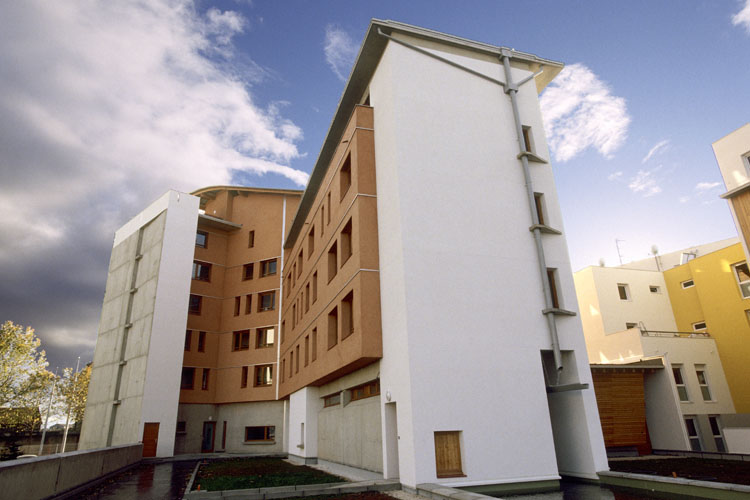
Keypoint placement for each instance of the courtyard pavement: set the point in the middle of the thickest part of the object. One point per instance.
(146, 481)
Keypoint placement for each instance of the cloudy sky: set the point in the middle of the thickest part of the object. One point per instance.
(105, 105)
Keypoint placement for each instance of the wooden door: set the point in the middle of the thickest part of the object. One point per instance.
(150, 438)
(448, 454)
(209, 434)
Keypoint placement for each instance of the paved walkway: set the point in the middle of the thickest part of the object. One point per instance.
(147, 481)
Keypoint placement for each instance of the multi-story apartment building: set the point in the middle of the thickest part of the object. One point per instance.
(424, 273)
(685, 310)
(733, 157)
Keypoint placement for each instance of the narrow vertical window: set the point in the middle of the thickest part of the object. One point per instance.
(527, 144)
(623, 290)
(333, 326)
(346, 242)
(713, 420)
(250, 239)
(347, 318)
(679, 381)
(328, 219)
(539, 204)
(201, 239)
(307, 297)
(332, 262)
(237, 306)
(691, 425)
(201, 341)
(551, 277)
(247, 272)
(294, 316)
(314, 355)
(700, 372)
(296, 351)
(204, 380)
(299, 261)
(742, 274)
(311, 242)
(283, 370)
(248, 303)
(322, 220)
(307, 350)
(291, 364)
(345, 176)
(315, 290)
(188, 337)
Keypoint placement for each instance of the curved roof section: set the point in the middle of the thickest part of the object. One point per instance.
(367, 60)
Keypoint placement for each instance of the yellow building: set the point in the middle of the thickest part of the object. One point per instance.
(712, 293)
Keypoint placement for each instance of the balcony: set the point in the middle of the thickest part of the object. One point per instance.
(682, 335)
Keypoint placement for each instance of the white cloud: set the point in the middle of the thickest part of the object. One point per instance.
(616, 176)
(705, 186)
(684, 199)
(645, 184)
(580, 112)
(743, 17)
(658, 147)
(103, 107)
(340, 51)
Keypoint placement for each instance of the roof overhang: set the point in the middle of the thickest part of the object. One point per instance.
(370, 52)
(216, 223)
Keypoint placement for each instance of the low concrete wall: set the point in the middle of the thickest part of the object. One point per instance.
(42, 477)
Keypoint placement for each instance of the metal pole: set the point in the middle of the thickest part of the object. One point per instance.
(46, 419)
(67, 417)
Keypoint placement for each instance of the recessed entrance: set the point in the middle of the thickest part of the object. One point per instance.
(209, 433)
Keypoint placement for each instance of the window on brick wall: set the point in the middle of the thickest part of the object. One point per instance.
(299, 262)
(268, 267)
(248, 303)
(263, 375)
(296, 354)
(250, 239)
(266, 301)
(307, 297)
(188, 338)
(346, 242)
(194, 306)
(241, 340)
(201, 239)
(201, 271)
(315, 286)
(237, 301)
(243, 377)
(204, 379)
(345, 176)
(347, 317)
(307, 350)
(332, 262)
(247, 272)
(188, 376)
(314, 354)
(201, 341)
(311, 242)
(333, 325)
(265, 337)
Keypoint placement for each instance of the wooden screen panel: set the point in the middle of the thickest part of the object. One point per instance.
(448, 454)
(741, 205)
(622, 408)
(150, 438)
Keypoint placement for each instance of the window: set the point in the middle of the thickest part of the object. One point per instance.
(266, 301)
(188, 337)
(345, 175)
(204, 380)
(700, 326)
(299, 261)
(679, 381)
(539, 205)
(264, 433)
(314, 344)
(624, 291)
(332, 266)
(448, 454)
(527, 138)
(307, 350)
(237, 301)
(307, 297)
(322, 219)
(332, 400)
(713, 420)
(294, 316)
(263, 375)
(315, 286)
(742, 274)
(188, 374)
(201, 341)
(328, 217)
(333, 324)
(628, 326)
(347, 318)
(268, 267)
(346, 242)
(194, 306)
(296, 357)
(264, 338)
(247, 272)
(367, 390)
(241, 340)
(687, 284)
(248, 303)
(687, 257)
(250, 239)
(700, 372)
(283, 369)
(654, 289)
(243, 379)
(294, 275)
(551, 277)
(311, 242)
(291, 364)
(201, 239)
(181, 427)
(201, 271)
(692, 430)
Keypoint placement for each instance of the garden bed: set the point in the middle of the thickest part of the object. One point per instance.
(247, 473)
(701, 469)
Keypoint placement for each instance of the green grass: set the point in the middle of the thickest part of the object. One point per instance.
(244, 473)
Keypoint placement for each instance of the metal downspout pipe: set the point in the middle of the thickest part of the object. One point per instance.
(512, 89)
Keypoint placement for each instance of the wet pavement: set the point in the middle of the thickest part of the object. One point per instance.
(147, 481)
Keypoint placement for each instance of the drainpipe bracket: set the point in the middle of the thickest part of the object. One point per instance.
(531, 157)
(558, 312)
(544, 228)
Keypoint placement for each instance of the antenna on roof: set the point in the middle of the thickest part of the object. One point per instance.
(601, 261)
(655, 253)
(617, 244)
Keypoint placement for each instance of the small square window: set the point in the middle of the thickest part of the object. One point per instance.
(699, 327)
(624, 291)
(194, 306)
(265, 338)
(247, 272)
(687, 284)
(266, 301)
(188, 375)
(654, 289)
(268, 267)
(181, 427)
(241, 340)
(263, 375)
(742, 274)
(201, 271)
(201, 239)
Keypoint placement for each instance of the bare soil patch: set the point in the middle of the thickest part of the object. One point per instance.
(702, 469)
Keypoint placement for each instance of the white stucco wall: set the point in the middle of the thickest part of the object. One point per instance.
(304, 406)
(737, 439)
(464, 296)
(729, 151)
